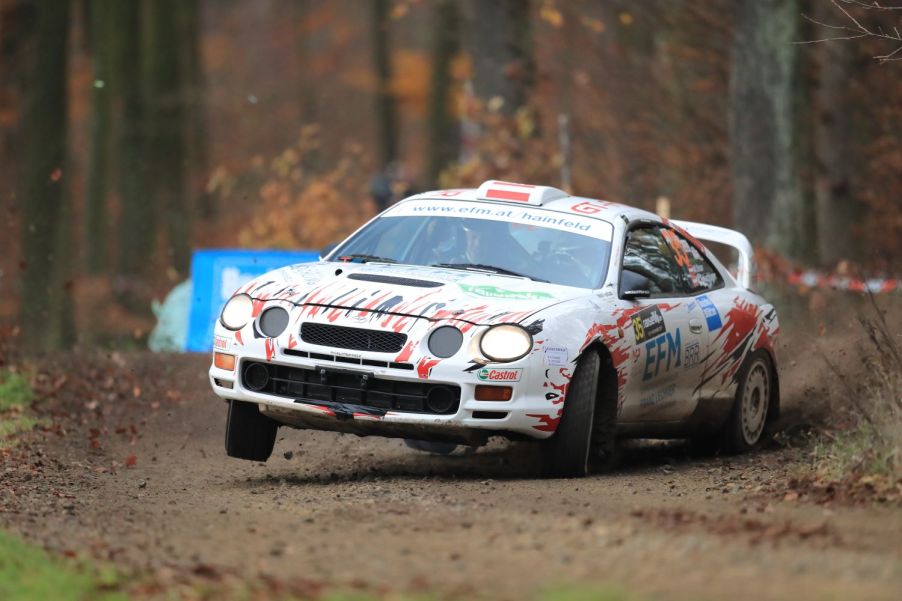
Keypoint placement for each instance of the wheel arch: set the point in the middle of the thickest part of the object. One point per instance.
(607, 375)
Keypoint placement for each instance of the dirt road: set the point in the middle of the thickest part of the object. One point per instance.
(339, 511)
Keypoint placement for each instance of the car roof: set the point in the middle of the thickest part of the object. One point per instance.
(546, 197)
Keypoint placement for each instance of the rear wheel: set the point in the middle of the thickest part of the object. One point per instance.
(744, 429)
(566, 453)
(249, 434)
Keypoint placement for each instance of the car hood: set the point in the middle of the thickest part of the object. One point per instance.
(406, 290)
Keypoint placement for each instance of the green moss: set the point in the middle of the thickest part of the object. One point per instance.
(28, 573)
(15, 391)
(16, 396)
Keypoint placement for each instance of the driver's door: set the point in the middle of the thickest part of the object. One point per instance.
(667, 340)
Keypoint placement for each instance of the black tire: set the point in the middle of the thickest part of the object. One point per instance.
(566, 453)
(249, 434)
(604, 454)
(745, 427)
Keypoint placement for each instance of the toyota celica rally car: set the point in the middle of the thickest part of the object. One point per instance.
(510, 310)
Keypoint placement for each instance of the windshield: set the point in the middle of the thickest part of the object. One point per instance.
(476, 238)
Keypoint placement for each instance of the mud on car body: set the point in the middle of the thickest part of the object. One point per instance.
(510, 310)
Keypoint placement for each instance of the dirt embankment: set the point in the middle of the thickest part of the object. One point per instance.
(133, 471)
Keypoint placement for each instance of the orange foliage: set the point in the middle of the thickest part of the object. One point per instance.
(509, 148)
(299, 206)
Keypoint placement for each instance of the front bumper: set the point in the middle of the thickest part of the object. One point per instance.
(305, 402)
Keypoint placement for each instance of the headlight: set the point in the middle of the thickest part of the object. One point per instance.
(237, 312)
(505, 343)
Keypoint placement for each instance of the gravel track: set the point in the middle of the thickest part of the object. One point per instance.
(144, 482)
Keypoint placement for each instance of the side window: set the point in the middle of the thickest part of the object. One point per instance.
(697, 273)
(647, 254)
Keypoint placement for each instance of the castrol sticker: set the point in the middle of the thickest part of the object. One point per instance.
(489, 374)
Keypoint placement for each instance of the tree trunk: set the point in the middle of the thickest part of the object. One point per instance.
(444, 134)
(499, 40)
(308, 41)
(46, 308)
(96, 211)
(386, 117)
(195, 113)
(137, 228)
(837, 209)
(165, 123)
(769, 202)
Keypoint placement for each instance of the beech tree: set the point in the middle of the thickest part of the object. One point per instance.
(46, 315)
(769, 201)
(499, 37)
(444, 134)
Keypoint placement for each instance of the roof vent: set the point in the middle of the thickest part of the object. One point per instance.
(521, 193)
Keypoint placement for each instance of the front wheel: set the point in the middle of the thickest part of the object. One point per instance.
(566, 453)
(745, 427)
(249, 434)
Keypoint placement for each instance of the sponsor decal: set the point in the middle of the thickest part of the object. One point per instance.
(556, 355)
(648, 323)
(489, 374)
(664, 353)
(691, 354)
(712, 316)
(221, 343)
(521, 215)
(591, 207)
(495, 292)
(658, 396)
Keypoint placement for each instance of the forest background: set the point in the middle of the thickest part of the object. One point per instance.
(132, 132)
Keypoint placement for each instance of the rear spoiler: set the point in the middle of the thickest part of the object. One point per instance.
(722, 235)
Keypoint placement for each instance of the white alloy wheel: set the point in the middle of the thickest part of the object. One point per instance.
(754, 401)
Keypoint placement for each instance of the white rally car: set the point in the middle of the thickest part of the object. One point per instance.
(510, 310)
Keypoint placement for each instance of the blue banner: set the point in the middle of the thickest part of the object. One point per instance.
(217, 273)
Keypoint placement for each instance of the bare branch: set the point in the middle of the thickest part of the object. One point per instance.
(871, 5)
(851, 37)
(858, 30)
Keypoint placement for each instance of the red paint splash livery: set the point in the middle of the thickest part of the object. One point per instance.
(405, 353)
(425, 365)
(611, 335)
(270, 345)
(740, 325)
(258, 304)
(549, 422)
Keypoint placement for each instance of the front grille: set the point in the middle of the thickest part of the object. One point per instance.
(350, 360)
(357, 339)
(335, 388)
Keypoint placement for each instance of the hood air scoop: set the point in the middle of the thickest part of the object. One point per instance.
(390, 279)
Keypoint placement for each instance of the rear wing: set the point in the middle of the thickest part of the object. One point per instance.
(721, 235)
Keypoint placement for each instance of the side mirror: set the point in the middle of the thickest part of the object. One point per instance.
(634, 285)
(327, 249)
